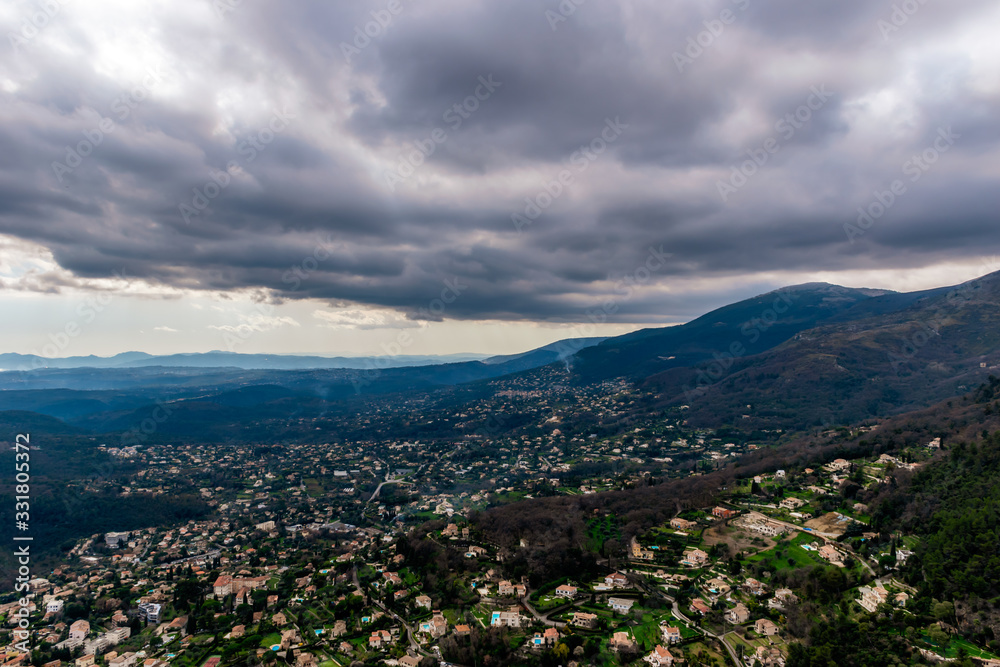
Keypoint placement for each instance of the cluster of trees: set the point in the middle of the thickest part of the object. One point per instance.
(954, 506)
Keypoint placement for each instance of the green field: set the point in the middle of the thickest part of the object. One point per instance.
(792, 557)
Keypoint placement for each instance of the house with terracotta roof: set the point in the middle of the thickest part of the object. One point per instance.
(660, 657)
(698, 606)
(671, 634)
(566, 591)
(616, 580)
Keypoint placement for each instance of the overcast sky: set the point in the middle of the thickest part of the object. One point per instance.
(468, 176)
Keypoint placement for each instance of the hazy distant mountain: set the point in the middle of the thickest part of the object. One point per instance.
(105, 398)
(218, 359)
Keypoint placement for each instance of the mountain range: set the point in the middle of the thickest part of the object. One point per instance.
(801, 356)
(220, 359)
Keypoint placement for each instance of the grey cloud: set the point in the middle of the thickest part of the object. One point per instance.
(321, 179)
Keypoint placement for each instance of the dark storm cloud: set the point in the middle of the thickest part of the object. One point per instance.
(263, 205)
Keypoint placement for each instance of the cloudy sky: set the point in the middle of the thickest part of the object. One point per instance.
(335, 177)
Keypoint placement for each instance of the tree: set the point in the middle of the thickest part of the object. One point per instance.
(943, 611)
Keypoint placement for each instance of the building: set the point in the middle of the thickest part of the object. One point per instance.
(379, 638)
(770, 656)
(782, 597)
(584, 620)
(240, 586)
(115, 540)
(839, 464)
(150, 611)
(765, 627)
(223, 586)
(738, 614)
(509, 619)
(829, 553)
(791, 503)
(423, 601)
(723, 513)
(660, 657)
(545, 639)
(682, 525)
(672, 635)
(621, 605)
(106, 640)
(566, 591)
(178, 625)
(436, 626)
(621, 640)
(79, 630)
(127, 659)
(616, 580)
(694, 558)
(85, 660)
(768, 528)
(54, 606)
(639, 552)
(717, 587)
(872, 597)
(699, 607)
(753, 587)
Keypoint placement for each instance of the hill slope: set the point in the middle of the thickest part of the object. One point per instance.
(884, 356)
(745, 328)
